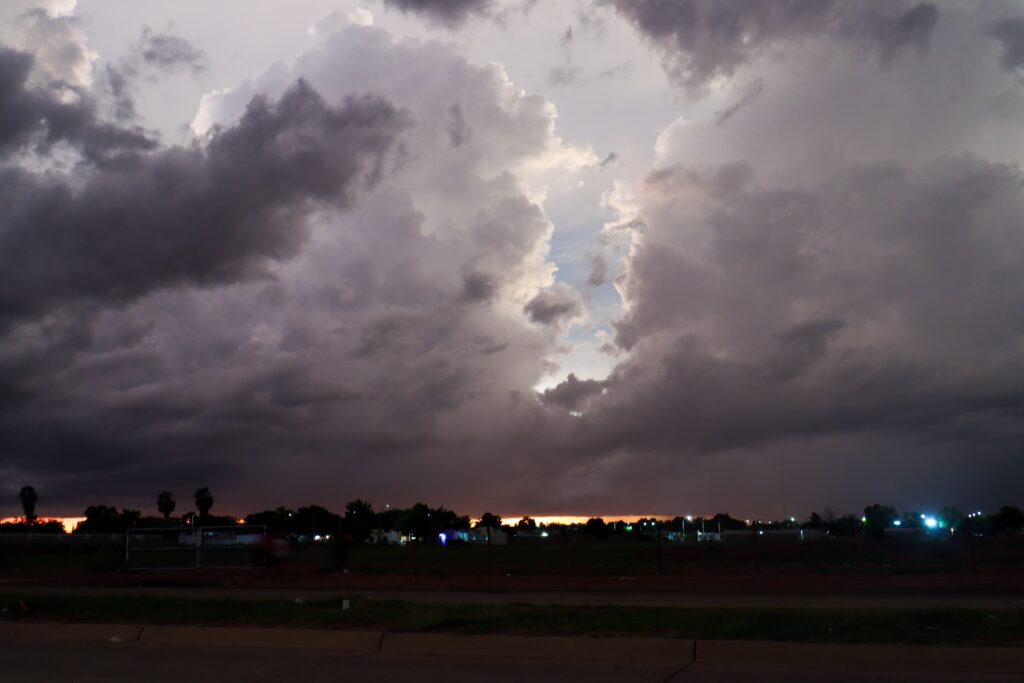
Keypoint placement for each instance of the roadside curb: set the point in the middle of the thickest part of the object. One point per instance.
(677, 651)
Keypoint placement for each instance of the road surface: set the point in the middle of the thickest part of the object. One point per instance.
(42, 661)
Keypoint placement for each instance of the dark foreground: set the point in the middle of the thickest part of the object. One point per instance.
(993, 625)
(32, 661)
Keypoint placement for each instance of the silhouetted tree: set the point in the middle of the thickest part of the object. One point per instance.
(128, 519)
(596, 526)
(359, 519)
(29, 498)
(878, 517)
(204, 501)
(165, 504)
(726, 522)
(99, 519)
(1008, 519)
(526, 524)
(489, 520)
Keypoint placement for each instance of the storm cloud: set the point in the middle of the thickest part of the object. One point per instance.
(209, 214)
(707, 39)
(386, 266)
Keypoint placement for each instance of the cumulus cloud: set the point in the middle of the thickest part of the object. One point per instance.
(313, 287)
(49, 31)
(707, 39)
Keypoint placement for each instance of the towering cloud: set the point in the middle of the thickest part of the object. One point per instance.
(323, 283)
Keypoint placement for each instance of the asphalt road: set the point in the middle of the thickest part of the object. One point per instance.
(981, 602)
(48, 661)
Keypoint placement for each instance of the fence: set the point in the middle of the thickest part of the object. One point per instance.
(195, 548)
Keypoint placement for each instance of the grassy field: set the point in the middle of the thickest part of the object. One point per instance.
(918, 627)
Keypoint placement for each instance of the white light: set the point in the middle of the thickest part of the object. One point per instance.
(543, 534)
(931, 522)
(317, 537)
(897, 523)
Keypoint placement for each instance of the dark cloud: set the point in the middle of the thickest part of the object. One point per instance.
(572, 393)
(458, 130)
(200, 215)
(798, 347)
(165, 51)
(229, 311)
(705, 39)
(554, 306)
(1009, 32)
(447, 12)
(477, 286)
(37, 118)
(875, 300)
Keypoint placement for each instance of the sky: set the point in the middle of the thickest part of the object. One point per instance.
(549, 258)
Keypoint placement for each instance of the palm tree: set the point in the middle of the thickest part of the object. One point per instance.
(29, 498)
(165, 503)
(204, 501)
(489, 521)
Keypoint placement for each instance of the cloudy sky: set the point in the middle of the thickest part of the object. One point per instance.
(574, 257)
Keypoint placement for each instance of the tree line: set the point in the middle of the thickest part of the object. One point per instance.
(359, 519)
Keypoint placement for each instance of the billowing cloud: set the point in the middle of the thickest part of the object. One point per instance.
(323, 283)
(38, 118)
(206, 215)
(49, 30)
(707, 39)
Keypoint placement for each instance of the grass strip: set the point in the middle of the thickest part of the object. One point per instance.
(932, 626)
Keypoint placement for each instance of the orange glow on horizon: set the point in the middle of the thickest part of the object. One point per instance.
(576, 519)
(68, 523)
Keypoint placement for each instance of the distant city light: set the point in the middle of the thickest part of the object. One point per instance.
(863, 520)
(897, 523)
(543, 534)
